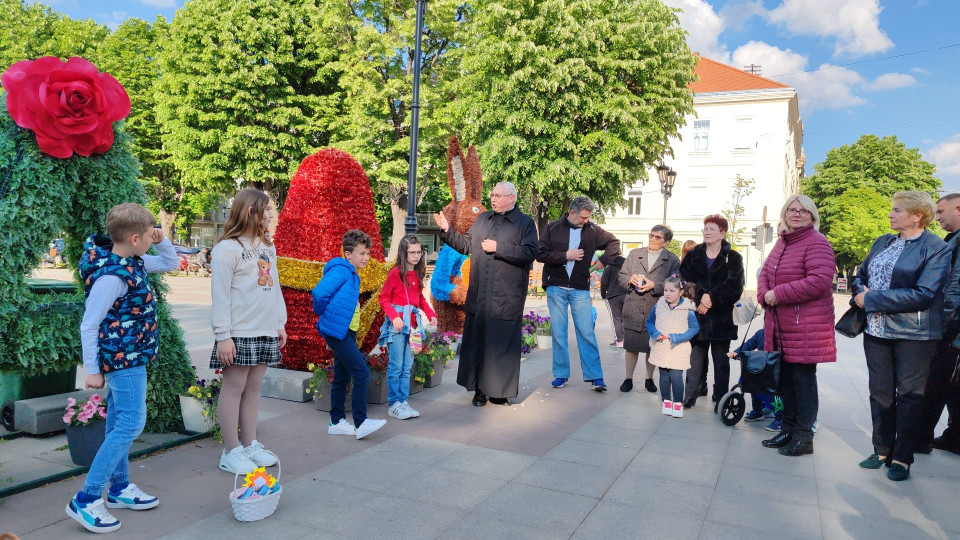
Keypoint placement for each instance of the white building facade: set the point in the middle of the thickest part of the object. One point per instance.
(743, 125)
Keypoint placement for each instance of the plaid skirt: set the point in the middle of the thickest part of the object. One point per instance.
(251, 351)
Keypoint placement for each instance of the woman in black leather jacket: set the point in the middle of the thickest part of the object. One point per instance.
(900, 286)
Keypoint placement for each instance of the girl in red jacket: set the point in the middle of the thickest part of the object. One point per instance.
(403, 303)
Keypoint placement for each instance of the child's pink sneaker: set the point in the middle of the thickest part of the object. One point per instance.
(677, 410)
(667, 408)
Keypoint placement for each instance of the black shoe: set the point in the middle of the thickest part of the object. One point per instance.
(779, 441)
(689, 403)
(716, 406)
(479, 400)
(950, 446)
(925, 449)
(797, 448)
(499, 401)
(702, 391)
(627, 385)
(648, 384)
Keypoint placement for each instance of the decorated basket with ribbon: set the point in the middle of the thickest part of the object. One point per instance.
(259, 495)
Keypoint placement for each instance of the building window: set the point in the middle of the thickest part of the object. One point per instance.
(743, 137)
(698, 202)
(633, 202)
(701, 135)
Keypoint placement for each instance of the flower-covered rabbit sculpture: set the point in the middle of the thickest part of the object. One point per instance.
(449, 283)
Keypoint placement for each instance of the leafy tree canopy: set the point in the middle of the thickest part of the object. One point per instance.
(569, 97)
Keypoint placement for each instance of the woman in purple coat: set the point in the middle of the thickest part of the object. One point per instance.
(796, 288)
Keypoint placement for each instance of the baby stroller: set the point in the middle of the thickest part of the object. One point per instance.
(760, 374)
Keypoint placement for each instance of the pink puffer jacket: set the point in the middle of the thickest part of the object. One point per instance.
(800, 271)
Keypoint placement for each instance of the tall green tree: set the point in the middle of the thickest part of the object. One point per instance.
(569, 97)
(131, 54)
(377, 40)
(850, 184)
(29, 31)
(244, 93)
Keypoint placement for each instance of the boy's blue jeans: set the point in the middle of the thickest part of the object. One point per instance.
(347, 363)
(581, 310)
(126, 416)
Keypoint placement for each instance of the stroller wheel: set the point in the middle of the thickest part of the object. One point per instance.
(731, 408)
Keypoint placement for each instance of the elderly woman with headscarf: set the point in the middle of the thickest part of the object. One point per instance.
(900, 286)
(796, 290)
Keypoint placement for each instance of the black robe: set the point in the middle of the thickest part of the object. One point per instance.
(490, 353)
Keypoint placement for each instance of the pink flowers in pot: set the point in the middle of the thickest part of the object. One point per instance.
(87, 411)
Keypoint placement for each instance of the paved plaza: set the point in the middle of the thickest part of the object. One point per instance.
(558, 463)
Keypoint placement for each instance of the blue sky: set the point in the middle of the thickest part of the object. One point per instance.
(871, 81)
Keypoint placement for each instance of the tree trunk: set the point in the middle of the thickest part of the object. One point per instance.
(166, 223)
(398, 210)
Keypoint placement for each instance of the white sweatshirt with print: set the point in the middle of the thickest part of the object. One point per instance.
(246, 290)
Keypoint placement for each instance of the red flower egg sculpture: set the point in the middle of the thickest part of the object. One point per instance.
(329, 195)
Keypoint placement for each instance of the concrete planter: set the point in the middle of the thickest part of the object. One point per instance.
(323, 402)
(377, 389)
(437, 377)
(544, 342)
(193, 418)
(415, 387)
(84, 441)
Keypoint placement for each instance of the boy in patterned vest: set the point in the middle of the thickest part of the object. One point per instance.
(119, 338)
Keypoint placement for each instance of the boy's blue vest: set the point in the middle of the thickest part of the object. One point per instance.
(128, 334)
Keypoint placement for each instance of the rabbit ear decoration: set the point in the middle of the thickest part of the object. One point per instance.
(456, 177)
(473, 174)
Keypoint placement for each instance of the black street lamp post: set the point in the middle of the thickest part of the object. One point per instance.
(410, 225)
(668, 177)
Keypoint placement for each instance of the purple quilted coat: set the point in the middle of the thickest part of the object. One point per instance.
(800, 271)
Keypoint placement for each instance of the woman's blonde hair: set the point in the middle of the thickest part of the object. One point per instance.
(246, 217)
(807, 204)
(917, 202)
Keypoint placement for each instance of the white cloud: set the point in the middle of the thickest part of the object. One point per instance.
(854, 25)
(736, 14)
(703, 27)
(946, 156)
(114, 19)
(921, 71)
(160, 3)
(890, 81)
(830, 88)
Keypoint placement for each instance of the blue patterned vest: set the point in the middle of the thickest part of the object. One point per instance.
(128, 334)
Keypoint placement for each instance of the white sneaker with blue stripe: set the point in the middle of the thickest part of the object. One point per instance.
(131, 497)
(93, 516)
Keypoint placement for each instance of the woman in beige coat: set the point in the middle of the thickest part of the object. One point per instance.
(671, 325)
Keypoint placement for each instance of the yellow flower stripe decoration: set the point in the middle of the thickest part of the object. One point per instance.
(260, 473)
(304, 275)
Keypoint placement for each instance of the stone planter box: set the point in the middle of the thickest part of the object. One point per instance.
(544, 342)
(84, 441)
(323, 402)
(377, 389)
(437, 377)
(193, 418)
(415, 387)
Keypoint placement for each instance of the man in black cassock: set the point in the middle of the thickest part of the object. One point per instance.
(502, 245)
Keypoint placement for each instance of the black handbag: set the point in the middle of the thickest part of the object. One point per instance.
(852, 323)
(760, 371)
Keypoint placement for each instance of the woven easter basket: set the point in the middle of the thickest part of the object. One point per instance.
(256, 509)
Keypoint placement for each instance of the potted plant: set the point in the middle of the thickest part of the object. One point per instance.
(440, 349)
(377, 389)
(528, 337)
(319, 387)
(86, 426)
(199, 408)
(539, 327)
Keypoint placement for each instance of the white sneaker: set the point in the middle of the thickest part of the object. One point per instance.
(341, 428)
(131, 497)
(93, 516)
(677, 410)
(236, 461)
(413, 412)
(398, 411)
(260, 455)
(667, 408)
(369, 426)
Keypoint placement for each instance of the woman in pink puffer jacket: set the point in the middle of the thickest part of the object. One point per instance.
(796, 288)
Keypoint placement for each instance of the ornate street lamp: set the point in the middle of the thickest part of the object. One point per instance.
(668, 177)
(410, 225)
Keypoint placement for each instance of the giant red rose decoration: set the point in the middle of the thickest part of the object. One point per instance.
(70, 106)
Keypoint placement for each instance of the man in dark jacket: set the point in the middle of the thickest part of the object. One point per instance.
(566, 251)
(502, 244)
(613, 293)
(942, 391)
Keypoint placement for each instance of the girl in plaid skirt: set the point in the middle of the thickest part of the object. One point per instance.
(248, 318)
